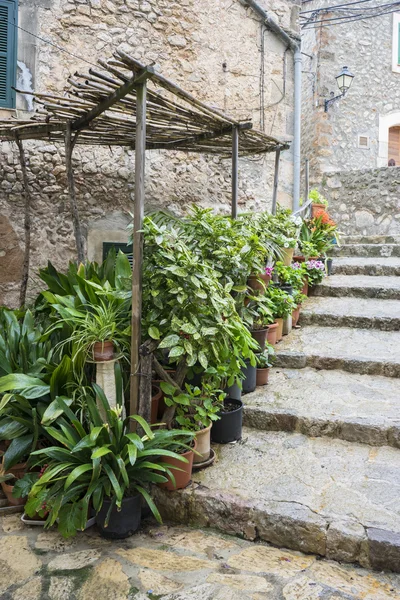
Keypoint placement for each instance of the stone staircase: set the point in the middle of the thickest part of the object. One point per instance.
(318, 467)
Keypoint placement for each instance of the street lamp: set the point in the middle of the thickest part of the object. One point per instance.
(344, 81)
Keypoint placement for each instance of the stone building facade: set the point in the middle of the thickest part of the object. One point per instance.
(216, 49)
(349, 146)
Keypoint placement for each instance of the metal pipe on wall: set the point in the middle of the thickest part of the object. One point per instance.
(295, 47)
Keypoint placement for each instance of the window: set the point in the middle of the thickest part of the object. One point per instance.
(125, 248)
(8, 52)
(363, 142)
(396, 43)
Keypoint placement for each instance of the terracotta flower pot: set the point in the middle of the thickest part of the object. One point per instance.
(203, 439)
(315, 207)
(262, 376)
(182, 471)
(304, 289)
(299, 259)
(287, 256)
(279, 332)
(8, 489)
(155, 402)
(295, 316)
(256, 285)
(272, 334)
(260, 335)
(103, 351)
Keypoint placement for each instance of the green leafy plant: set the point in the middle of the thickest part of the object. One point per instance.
(102, 461)
(283, 303)
(317, 197)
(195, 408)
(289, 275)
(266, 358)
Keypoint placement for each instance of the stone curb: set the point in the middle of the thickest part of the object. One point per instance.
(355, 321)
(338, 291)
(299, 360)
(288, 524)
(372, 270)
(371, 239)
(266, 419)
(373, 250)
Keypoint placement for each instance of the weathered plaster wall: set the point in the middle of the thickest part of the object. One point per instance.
(212, 48)
(330, 140)
(364, 202)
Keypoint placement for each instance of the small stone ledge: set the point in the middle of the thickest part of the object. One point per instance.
(357, 322)
(266, 419)
(356, 292)
(283, 524)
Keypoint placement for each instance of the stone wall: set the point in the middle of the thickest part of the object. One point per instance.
(212, 48)
(364, 202)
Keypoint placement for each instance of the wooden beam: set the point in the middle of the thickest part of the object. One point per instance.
(69, 146)
(138, 216)
(235, 171)
(27, 223)
(113, 98)
(201, 137)
(276, 180)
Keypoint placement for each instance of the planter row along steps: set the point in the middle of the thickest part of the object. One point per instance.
(318, 466)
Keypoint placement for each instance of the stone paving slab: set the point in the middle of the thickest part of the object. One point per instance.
(328, 497)
(364, 351)
(352, 407)
(172, 563)
(354, 265)
(389, 249)
(360, 286)
(364, 313)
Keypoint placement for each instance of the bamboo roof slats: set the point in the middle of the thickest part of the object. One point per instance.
(101, 106)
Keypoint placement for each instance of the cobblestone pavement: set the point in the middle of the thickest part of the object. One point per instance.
(171, 563)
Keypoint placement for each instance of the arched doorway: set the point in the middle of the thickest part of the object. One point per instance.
(394, 146)
(389, 139)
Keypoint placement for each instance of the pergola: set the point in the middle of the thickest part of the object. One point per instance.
(126, 103)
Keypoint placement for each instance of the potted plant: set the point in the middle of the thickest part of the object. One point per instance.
(229, 426)
(195, 410)
(8, 481)
(298, 298)
(283, 306)
(315, 270)
(264, 363)
(261, 281)
(318, 201)
(103, 465)
(98, 330)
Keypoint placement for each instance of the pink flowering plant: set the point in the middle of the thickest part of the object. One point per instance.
(315, 271)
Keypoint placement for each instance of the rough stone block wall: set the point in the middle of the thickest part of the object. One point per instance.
(211, 48)
(365, 202)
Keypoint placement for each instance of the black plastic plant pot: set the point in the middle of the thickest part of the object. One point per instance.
(234, 391)
(229, 427)
(122, 523)
(250, 377)
(329, 262)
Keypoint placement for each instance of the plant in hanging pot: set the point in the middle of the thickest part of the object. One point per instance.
(264, 363)
(104, 466)
(98, 330)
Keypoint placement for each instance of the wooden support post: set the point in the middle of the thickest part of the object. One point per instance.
(69, 146)
(276, 180)
(138, 215)
(235, 170)
(27, 223)
(307, 184)
(146, 366)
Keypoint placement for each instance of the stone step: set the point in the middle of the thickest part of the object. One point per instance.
(317, 495)
(354, 265)
(371, 239)
(359, 286)
(367, 250)
(364, 351)
(347, 406)
(364, 313)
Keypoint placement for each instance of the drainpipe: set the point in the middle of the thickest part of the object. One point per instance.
(295, 47)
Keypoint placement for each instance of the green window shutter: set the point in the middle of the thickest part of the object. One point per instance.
(398, 44)
(125, 248)
(8, 54)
